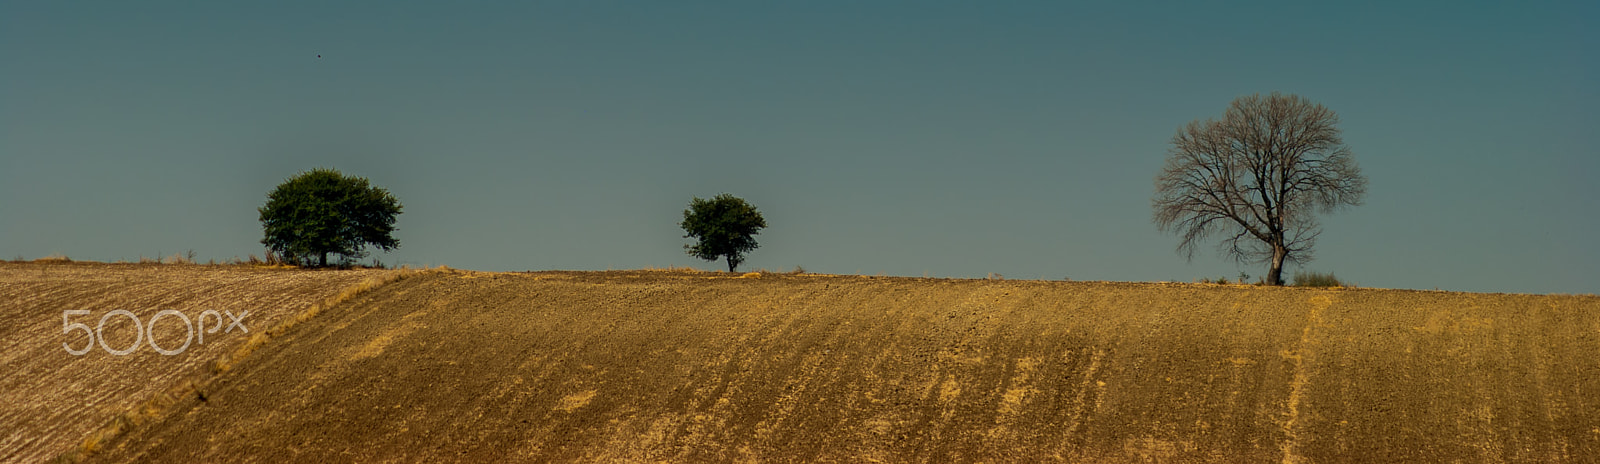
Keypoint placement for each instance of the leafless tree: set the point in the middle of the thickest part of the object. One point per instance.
(1256, 178)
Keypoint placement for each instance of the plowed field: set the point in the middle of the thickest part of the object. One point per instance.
(51, 400)
(664, 366)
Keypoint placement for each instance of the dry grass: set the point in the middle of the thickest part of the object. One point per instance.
(672, 269)
(269, 259)
(180, 258)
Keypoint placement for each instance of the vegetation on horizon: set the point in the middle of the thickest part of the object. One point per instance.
(724, 226)
(321, 212)
(1318, 279)
(1257, 177)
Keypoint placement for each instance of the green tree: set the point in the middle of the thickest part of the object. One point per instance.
(725, 226)
(321, 212)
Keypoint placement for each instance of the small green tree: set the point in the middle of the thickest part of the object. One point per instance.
(725, 226)
(321, 212)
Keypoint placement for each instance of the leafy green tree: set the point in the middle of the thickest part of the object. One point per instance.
(321, 212)
(725, 226)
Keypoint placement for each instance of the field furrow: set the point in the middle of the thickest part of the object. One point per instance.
(682, 366)
(51, 400)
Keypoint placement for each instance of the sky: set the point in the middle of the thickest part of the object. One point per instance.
(947, 139)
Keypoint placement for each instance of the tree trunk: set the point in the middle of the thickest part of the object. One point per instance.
(730, 264)
(322, 261)
(1275, 275)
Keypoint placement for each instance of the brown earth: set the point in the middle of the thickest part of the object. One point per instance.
(52, 401)
(660, 366)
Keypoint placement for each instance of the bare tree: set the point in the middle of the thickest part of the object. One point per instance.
(1256, 178)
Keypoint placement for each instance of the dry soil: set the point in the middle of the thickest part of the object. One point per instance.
(683, 367)
(51, 400)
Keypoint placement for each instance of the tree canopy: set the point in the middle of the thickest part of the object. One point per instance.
(725, 226)
(1257, 177)
(321, 212)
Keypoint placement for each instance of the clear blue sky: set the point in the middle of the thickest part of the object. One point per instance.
(953, 139)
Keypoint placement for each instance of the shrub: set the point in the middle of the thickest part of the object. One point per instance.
(1317, 279)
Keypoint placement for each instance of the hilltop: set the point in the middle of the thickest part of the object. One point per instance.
(689, 366)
